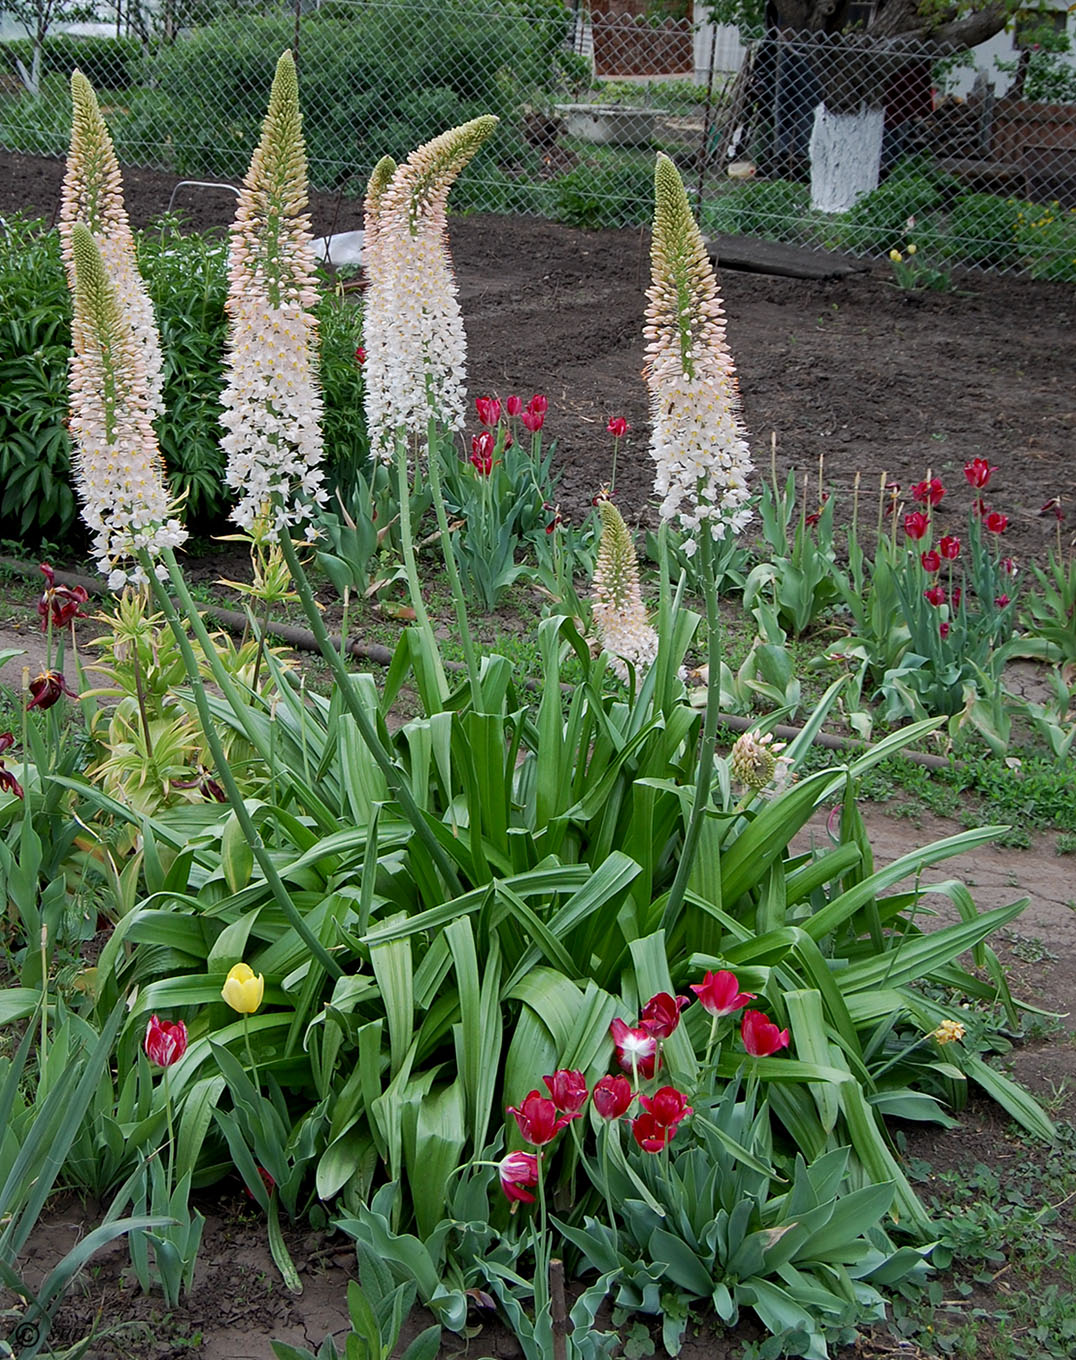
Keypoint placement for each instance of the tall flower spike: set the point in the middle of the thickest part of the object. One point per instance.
(619, 613)
(93, 194)
(697, 438)
(118, 466)
(272, 403)
(416, 352)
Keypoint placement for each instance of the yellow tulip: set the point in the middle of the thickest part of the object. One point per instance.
(895, 256)
(912, 249)
(243, 990)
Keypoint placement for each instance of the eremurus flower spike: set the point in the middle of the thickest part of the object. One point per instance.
(415, 367)
(618, 610)
(93, 194)
(697, 439)
(272, 405)
(118, 464)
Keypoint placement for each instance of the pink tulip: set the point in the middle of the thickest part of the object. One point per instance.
(661, 1014)
(538, 1120)
(636, 1049)
(617, 427)
(916, 524)
(165, 1043)
(612, 1096)
(978, 472)
(518, 1171)
(668, 1106)
(514, 405)
(719, 993)
(568, 1089)
(760, 1035)
(928, 493)
(533, 420)
(489, 410)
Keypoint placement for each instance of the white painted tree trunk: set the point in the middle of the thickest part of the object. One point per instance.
(846, 153)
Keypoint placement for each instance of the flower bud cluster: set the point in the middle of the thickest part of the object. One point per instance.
(697, 440)
(415, 367)
(272, 403)
(619, 613)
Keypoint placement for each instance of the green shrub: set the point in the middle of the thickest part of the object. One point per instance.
(38, 126)
(35, 339)
(773, 209)
(612, 190)
(376, 81)
(107, 63)
(982, 229)
(878, 222)
(186, 276)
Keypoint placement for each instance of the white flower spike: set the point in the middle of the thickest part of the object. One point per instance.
(697, 440)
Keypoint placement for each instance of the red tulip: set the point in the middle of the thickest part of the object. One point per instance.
(931, 561)
(1001, 601)
(978, 472)
(719, 993)
(916, 524)
(533, 420)
(165, 1043)
(994, 522)
(668, 1106)
(514, 405)
(635, 1049)
(661, 1014)
(46, 688)
(943, 630)
(760, 1035)
(538, 404)
(482, 452)
(928, 493)
(538, 1120)
(568, 1089)
(360, 355)
(617, 427)
(489, 410)
(1008, 566)
(651, 1135)
(8, 782)
(59, 605)
(949, 547)
(612, 1096)
(935, 596)
(954, 598)
(517, 1171)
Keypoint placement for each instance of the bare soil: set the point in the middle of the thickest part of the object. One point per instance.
(879, 382)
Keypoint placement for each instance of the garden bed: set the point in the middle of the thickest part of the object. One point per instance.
(558, 311)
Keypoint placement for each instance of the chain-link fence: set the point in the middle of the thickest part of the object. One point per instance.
(842, 144)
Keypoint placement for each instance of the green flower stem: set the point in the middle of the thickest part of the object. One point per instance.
(407, 546)
(225, 683)
(171, 1166)
(705, 771)
(250, 1051)
(606, 1181)
(393, 776)
(276, 886)
(449, 551)
(710, 1041)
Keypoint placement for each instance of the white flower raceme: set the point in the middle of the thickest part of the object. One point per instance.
(93, 194)
(618, 610)
(118, 466)
(697, 438)
(272, 402)
(416, 350)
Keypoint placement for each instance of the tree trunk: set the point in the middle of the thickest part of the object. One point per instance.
(846, 153)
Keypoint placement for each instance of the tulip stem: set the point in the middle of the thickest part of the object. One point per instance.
(250, 1051)
(235, 797)
(449, 552)
(606, 1183)
(710, 1041)
(170, 1172)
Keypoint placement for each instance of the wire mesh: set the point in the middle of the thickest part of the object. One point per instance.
(837, 144)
